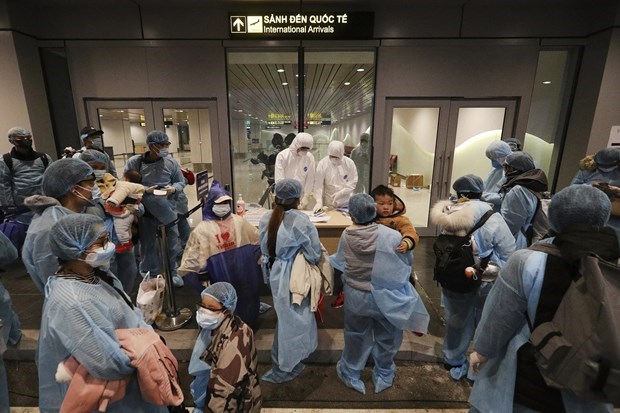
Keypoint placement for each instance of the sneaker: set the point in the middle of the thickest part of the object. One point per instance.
(177, 281)
(339, 301)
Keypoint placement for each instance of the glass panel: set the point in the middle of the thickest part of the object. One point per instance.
(338, 104)
(124, 133)
(189, 131)
(551, 97)
(414, 139)
(263, 91)
(476, 129)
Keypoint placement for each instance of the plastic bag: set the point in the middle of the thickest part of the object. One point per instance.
(151, 297)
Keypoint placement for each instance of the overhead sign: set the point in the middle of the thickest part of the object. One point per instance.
(351, 25)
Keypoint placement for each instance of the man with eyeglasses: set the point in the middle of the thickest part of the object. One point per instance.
(21, 173)
(67, 188)
(92, 138)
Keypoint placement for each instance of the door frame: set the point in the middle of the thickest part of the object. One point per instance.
(446, 136)
(153, 114)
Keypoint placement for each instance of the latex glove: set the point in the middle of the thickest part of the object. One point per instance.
(318, 208)
(170, 190)
(305, 200)
(150, 189)
(476, 361)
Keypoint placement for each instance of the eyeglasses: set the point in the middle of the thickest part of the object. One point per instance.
(22, 138)
(162, 145)
(215, 310)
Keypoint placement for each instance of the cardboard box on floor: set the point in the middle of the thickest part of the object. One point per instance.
(414, 181)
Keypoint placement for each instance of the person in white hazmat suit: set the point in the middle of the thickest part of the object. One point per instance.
(335, 178)
(296, 162)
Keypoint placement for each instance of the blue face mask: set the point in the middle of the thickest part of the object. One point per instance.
(99, 174)
(97, 144)
(608, 169)
(496, 164)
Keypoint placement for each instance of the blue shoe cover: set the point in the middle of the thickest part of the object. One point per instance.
(355, 384)
(275, 375)
(381, 384)
(263, 308)
(457, 373)
(177, 281)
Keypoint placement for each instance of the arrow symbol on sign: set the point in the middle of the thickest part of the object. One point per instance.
(238, 24)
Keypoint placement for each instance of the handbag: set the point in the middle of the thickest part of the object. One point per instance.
(151, 297)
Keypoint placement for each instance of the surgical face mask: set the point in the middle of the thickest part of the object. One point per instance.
(99, 174)
(364, 145)
(101, 257)
(97, 143)
(608, 169)
(496, 164)
(335, 161)
(94, 191)
(221, 209)
(208, 319)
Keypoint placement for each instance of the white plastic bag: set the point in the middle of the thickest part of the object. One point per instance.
(151, 297)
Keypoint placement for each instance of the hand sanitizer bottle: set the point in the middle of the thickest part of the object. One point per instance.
(240, 206)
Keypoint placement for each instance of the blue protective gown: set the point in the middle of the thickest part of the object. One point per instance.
(22, 183)
(379, 305)
(503, 330)
(518, 209)
(462, 311)
(296, 333)
(10, 332)
(201, 370)
(494, 180)
(37, 255)
(79, 319)
(612, 178)
(162, 172)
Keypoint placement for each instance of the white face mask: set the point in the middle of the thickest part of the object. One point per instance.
(208, 319)
(95, 194)
(335, 161)
(163, 153)
(99, 174)
(221, 209)
(101, 257)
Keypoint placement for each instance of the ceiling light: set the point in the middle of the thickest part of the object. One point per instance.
(546, 82)
(280, 70)
(284, 83)
(360, 69)
(358, 111)
(347, 83)
(296, 75)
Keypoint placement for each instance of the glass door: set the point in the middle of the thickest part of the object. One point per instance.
(124, 123)
(433, 142)
(191, 126)
(277, 92)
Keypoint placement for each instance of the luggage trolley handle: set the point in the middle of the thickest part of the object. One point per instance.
(174, 318)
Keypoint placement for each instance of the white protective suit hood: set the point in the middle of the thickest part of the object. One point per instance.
(302, 140)
(336, 148)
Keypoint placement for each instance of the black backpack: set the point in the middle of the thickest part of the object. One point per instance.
(453, 254)
(8, 160)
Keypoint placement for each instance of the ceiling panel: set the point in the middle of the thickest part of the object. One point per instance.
(260, 86)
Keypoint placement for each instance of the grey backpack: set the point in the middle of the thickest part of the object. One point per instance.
(579, 349)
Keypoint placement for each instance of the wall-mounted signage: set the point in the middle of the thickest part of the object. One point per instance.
(202, 184)
(345, 25)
